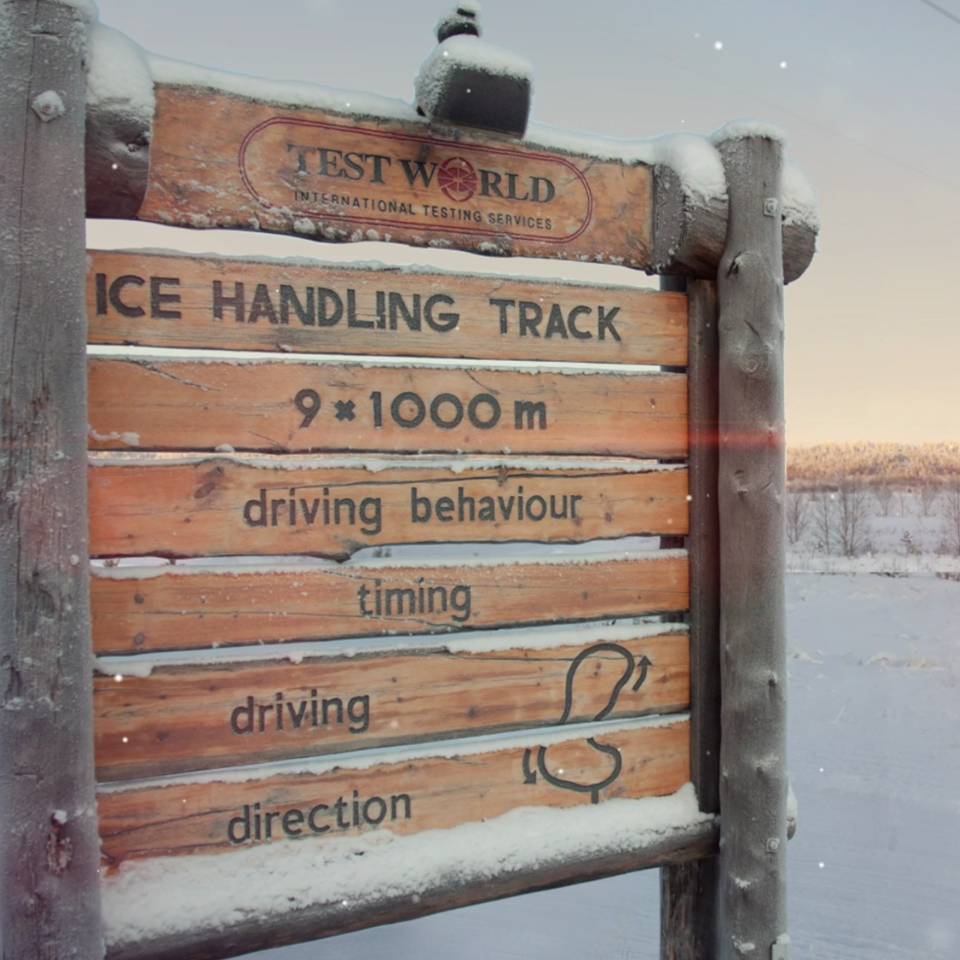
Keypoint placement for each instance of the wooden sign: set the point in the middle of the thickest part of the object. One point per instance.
(184, 715)
(402, 792)
(294, 405)
(218, 160)
(161, 300)
(147, 609)
(327, 507)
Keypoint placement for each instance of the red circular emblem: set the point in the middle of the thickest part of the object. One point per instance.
(458, 179)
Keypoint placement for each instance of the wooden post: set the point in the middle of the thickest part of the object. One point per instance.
(49, 849)
(753, 783)
(688, 891)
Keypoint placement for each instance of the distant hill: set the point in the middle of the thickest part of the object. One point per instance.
(873, 463)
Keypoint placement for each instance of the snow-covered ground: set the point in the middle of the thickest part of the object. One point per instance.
(875, 762)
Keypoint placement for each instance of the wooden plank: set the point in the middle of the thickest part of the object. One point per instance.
(444, 787)
(163, 300)
(191, 608)
(276, 406)
(190, 716)
(142, 505)
(218, 160)
(49, 891)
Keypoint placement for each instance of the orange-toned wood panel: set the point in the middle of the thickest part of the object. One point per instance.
(161, 300)
(277, 405)
(256, 506)
(184, 609)
(192, 717)
(406, 795)
(218, 160)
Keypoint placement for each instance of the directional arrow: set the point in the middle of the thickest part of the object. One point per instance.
(644, 664)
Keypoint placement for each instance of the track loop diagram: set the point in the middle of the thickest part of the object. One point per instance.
(641, 666)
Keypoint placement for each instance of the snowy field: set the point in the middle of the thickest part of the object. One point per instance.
(875, 762)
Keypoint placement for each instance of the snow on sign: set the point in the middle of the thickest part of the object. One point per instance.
(218, 160)
(301, 306)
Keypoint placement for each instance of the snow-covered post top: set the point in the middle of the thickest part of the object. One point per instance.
(467, 81)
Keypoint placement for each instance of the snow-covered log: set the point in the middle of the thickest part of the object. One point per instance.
(49, 849)
(753, 782)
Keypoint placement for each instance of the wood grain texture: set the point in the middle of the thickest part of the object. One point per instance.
(218, 160)
(49, 891)
(688, 909)
(160, 300)
(193, 717)
(217, 506)
(183, 609)
(751, 494)
(163, 404)
(152, 819)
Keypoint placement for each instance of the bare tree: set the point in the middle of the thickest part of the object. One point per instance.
(823, 518)
(798, 516)
(929, 493)
(884, 497)
(951, 516)
(851, 504)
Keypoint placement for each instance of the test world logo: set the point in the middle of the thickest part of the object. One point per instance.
(458, 180)
(330, 172)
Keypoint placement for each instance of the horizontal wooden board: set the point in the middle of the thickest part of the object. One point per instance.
(277, 406)
(189, 609)
(191, 716)
(217, 506)
(162, 300)
(439, 789)
(218, 160)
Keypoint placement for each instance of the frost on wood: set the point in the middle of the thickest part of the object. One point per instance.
(120, 107)
(159, 898)
(48, 105)
(49, 891)
(799, 200)
(465, 53)
(753, 782)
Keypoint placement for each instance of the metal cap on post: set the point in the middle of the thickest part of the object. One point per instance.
(466, 81)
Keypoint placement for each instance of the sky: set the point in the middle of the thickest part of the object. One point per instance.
(866, 92)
